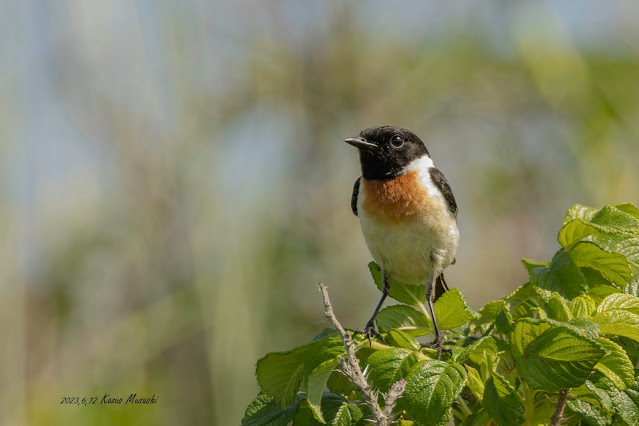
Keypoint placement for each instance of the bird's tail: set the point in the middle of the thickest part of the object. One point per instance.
(440, 286)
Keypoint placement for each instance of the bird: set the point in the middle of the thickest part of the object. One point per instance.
(407, 213)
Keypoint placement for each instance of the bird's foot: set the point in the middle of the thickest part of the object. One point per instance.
(369, 331)
(437, 344)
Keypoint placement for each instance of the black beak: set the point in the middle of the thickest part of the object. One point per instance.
(361, 143)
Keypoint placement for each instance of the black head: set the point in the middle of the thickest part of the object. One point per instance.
(384, 151)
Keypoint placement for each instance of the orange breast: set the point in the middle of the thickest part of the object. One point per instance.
(395, 199)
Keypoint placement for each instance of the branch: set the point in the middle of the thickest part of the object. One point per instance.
(556, 418)
(351, 370)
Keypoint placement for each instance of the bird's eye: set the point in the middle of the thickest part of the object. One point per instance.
(397, 141)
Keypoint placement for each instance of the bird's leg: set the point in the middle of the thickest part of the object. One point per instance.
(370, 330)
(437, 343)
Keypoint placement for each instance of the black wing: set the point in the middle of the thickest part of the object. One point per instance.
(441, 183)
(354, 196)
(441, 286)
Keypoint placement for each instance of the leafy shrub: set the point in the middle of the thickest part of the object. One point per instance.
(570, 334)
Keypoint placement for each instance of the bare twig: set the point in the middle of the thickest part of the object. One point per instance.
(350, 368)
(556, 418)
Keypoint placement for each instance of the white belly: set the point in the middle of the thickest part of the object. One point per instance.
(411, 251)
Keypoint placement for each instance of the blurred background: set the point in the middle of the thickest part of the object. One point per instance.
(174, 181)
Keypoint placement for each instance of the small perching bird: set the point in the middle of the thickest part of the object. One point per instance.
(407, 212)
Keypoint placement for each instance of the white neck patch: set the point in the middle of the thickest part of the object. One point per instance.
(422, 163)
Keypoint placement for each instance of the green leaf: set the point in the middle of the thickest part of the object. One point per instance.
(582, 306)
(474, 351)
(630, 346)
(580, 212)
(587, 412)
(315, 386)
(562, 276)
(626, 244)
(575, 231)
(557, 309)
(610, 216)
(280, 374)
(405, 293)
(503, 402)
(632, 286)
(616, 322)
(339, 384)
(553, 357)
(625, 302)
(431, 389)
(589, 393)
(626, 409)
(524, 301)
(585, 327)
(337, 410)
(390, 365)
(404, 318)
(530, 264)
(402, 340)
(263, 411)
(614, 229)
(475, 383)
(628, 208)
(504, 321)
(616, 365)
(317, 370)
(451, 310)
(326, 332)
(613, 266)
(489, 312)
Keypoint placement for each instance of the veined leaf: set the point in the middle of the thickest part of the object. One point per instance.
(562, 276)
(524, 300)
(623, 243)
(625, 302)
(628, 208)
(405, 293)
(574, 231)
(626, 408)
(317, 370)
(489, 312)
(405, 318)
(475, 384)
(582, 306)
(502, 401)
(390, 365)
(557, 309)
(580, 212)
(617, 322)
(431, 389)
(475, 350)
(338, 411)
(616, 365)
(585, 327)
(553, 357)
(452, 310)
(280, 374)
(530, 264)
(612, 217)
(613, 266)
(614, 229)
(590, 414)
(264, 411)
(402, 340)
